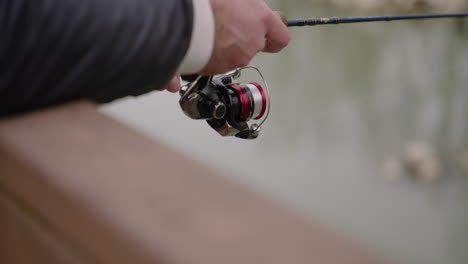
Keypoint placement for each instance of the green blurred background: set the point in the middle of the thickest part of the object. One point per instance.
(368, 131)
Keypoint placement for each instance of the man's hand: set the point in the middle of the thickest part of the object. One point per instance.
(243, 28)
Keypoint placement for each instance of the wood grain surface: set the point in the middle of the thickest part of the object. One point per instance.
(91, 190)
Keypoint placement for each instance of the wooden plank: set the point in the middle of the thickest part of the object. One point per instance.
(24, 240)
(110, 195)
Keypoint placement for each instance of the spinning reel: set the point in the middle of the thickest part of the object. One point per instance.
(230, 108)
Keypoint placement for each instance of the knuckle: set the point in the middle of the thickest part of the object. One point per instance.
(265, 15)
(281, 41)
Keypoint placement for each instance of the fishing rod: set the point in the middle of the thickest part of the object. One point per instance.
(234, 108)
(350, 20)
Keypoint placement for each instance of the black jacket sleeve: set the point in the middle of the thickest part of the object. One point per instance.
(53, 51)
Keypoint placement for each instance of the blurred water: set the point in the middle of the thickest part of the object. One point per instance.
(344, 99)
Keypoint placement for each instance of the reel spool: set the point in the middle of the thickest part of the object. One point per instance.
(230, 108)
(253, 100)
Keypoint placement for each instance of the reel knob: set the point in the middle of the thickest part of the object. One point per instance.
(218, 111)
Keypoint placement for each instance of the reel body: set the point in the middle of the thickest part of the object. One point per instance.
(230, 108)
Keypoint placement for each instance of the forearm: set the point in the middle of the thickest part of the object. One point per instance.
(54, 51)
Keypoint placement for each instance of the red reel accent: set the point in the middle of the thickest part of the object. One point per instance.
(243, 100)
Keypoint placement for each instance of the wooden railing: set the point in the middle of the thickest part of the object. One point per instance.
(78, 187)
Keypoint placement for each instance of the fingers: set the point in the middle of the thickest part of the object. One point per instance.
(242, 29)
(283, 17)
(277, 37)
(174, 85)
